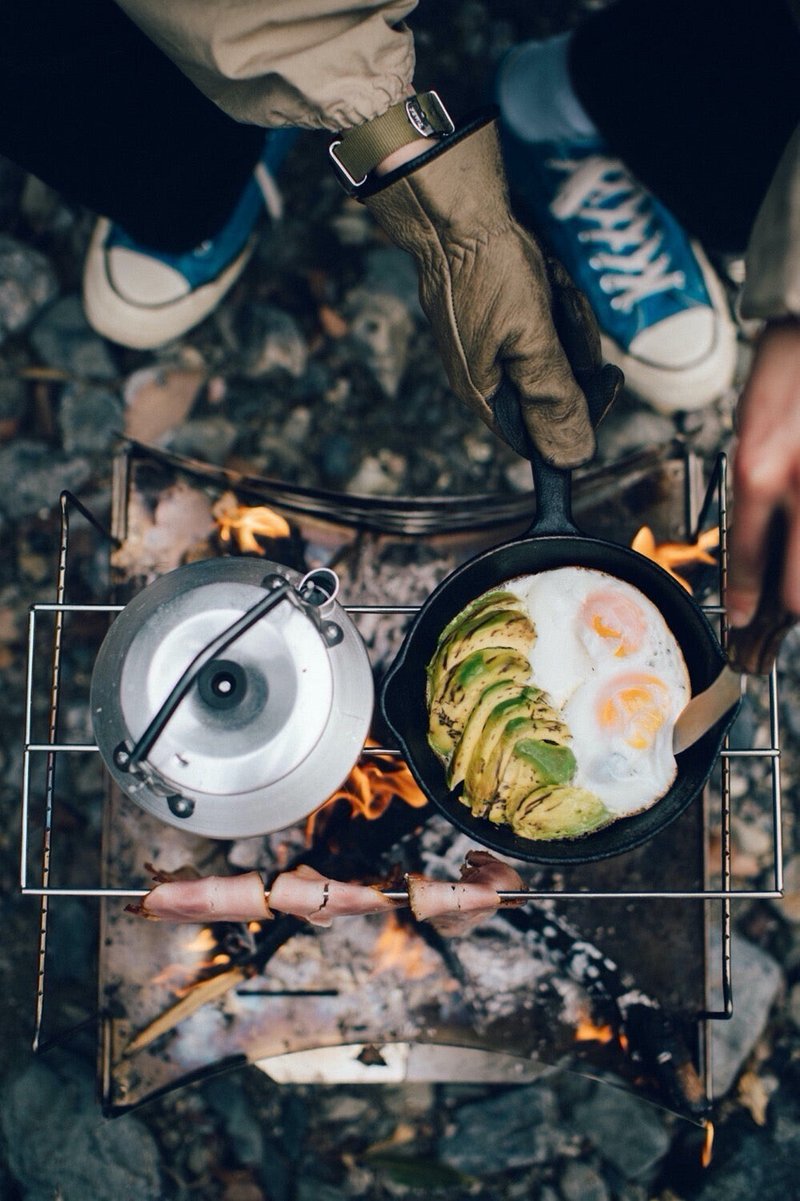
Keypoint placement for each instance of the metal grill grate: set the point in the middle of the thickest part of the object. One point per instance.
(715, 496)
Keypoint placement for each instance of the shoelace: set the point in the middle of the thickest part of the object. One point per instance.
(634, 269)
(273, 199)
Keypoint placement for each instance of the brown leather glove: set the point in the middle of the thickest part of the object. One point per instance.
(486, 291)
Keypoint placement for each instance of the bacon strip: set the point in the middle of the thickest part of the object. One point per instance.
(208, 899)
(456, 908)
(305, 893)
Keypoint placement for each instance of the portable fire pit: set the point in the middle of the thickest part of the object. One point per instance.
(589, 974)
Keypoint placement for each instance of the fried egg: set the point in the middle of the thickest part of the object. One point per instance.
(608, 660)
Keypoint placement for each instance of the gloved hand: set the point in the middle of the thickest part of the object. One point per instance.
(493, 307)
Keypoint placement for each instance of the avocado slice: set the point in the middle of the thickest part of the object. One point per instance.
(527, 702)
(557, 811)
(520, 763)
(462, 688)
(497, 600)
(491, 697)
(490, 627)
(535, 721)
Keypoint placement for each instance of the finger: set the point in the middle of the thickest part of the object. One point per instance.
(747, 557)
(575, 322)
(555, 413)
(602, 390)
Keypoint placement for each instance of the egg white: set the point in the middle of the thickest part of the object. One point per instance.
(573, 664)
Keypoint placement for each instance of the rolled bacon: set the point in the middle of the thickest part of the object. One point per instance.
(456, 908)
(453, 908)
(205, 900)
(306, 893)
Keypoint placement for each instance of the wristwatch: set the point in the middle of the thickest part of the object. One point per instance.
(358, 151)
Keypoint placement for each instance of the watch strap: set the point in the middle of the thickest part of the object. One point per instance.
(359, 150)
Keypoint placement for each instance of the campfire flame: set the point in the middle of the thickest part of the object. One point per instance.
(241, 523)
(708, 1146)
(399, 948)
(370, 789)
(670, 555)
(586, 1031)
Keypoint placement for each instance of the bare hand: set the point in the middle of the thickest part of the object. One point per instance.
(767, 472)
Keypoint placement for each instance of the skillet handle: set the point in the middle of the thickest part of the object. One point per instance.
(753, 648)
(553, 485)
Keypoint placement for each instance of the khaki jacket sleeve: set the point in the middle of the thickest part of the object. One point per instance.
(772, 288)
(318, 64)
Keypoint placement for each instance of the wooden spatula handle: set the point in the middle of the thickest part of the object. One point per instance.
(754, 647)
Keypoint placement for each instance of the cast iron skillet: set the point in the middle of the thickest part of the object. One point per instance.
(552, 541)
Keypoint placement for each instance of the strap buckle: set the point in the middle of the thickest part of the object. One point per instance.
(351, 185)
(364, 146)
(440, 120)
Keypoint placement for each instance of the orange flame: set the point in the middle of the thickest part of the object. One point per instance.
(241, 523)
(401, 949)
(707, 1153)
(370, 789)
(587, 1031)
(676, 554)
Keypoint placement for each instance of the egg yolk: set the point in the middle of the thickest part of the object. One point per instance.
(633, 707)
(616, 619)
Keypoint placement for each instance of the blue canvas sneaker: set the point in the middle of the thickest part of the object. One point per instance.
(142, 298)
(662, 312)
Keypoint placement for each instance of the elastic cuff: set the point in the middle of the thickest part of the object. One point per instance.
(467, 127)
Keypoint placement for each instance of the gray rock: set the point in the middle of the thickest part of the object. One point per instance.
(27, 284)
(13, 399)
(381, 327)
(580, 1182)
(793, 1006)
(206, 438)
(756, 979)
(63, 338)
(90, 418)
(762, 1163)
(626, 1131)
(58, 1145)
(34, 476)
(270, 340)
(388, 269)
(511, 1130)
(226, 1096)
(378, 475)
(338, 458)
(43, 208)
(310, 1189)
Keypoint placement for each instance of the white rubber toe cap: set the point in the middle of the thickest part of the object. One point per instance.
(685, 361)
(142, 280)
(678, 342)
(142, 303)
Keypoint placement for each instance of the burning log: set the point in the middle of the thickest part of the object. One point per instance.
(304, 894)
(643, 1029)
(200, 994)
(363, 848)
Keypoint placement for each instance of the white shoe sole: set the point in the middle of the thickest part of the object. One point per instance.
(145, 327)
(672, 390)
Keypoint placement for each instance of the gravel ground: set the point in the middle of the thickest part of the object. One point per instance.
(319, 369)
